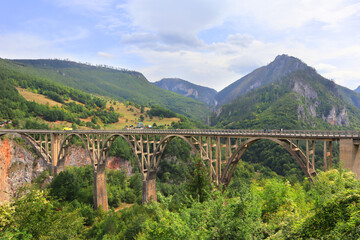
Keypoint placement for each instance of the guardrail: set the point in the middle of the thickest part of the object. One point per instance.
(320, 134)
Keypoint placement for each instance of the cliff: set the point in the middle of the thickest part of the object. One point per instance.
(19, 165)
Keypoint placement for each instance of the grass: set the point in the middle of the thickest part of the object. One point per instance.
(30, 96)
(129, 115)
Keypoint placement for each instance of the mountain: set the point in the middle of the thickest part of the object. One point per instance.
(32, 102)
(280, 67)
(187, 89)
(358, 89)
(120, 84)
(301, 99)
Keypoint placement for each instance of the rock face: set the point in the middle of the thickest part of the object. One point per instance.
(336, 117)
(187, 89)
(20, 166)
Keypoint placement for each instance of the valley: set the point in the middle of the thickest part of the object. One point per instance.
(268, 194)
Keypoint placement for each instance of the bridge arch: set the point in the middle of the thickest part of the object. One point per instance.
(293, 149)
(194, 143)
(63, 146)
(110, 140)
(37, 146)
(158, 152)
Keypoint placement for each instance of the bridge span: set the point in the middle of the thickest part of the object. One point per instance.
(221, 150)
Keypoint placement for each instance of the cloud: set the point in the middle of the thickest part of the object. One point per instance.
(284, 14)
(90, 5)
(21, 45)
(105, 55)
(209, 42)
(175, 16)
(240, 39)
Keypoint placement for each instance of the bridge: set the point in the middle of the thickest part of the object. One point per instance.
(220, 149)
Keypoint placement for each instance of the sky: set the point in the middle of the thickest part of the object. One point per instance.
(207, 42)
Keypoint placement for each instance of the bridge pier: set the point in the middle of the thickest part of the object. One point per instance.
(350, 155)
(149, 188)
(100, 192)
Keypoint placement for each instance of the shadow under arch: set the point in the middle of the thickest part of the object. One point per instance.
(61, 156)
(293, 149)
(193, 142)
(110, 140)
(38, 147)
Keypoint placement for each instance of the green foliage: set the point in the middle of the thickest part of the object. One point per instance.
(14, 107)
(34, 216)
(338, 218)
(217, 218)
(124, 224)
(73, 184)
(199, 181)
(121, 148)
(158, 111)
(30, 124)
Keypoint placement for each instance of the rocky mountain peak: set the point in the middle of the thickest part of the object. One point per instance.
(277, 69)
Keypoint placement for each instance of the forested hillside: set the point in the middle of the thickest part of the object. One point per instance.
(106, 81)
(29, 101)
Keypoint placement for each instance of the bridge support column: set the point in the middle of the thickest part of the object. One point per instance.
(55, 150)
(149, 188)
(100, 192)
(350, 155)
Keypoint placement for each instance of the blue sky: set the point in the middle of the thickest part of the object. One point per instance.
(208, 42)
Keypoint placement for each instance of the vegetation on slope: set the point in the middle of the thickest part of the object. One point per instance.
(100, 80)
(38, 103)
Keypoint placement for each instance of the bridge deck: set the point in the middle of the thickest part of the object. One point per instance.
(288, 134)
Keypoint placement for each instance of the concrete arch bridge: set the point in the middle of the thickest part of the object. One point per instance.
(220, 149)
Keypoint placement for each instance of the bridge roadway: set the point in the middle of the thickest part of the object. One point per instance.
(288, 134)
(221, 150)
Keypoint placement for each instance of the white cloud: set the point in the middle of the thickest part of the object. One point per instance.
(240, 39)
(20, 45)
(284, 14)
(105, 55)
(208, 42)
(92, 5)
(175, 16)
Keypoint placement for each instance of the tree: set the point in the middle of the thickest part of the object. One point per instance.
(141, 118)
(32, 215)
(199, 182)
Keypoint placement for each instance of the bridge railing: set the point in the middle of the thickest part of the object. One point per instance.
(223, 132)
(252, 132)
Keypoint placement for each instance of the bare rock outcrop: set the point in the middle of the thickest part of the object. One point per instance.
(19, 165)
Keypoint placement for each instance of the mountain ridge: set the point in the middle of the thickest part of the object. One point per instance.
(188, 89)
